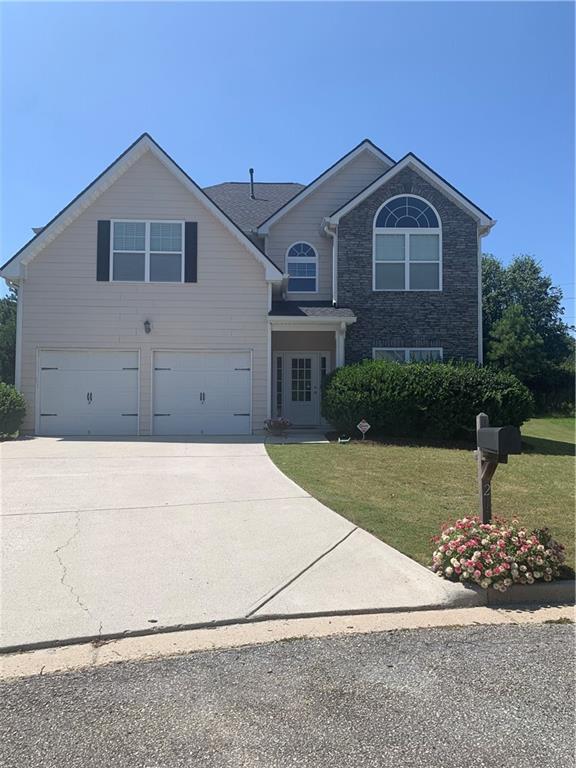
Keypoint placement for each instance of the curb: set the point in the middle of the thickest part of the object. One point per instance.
(163, 645)
(541, 593)
(102, 637)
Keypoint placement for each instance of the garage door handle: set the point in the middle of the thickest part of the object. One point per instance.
(89, 396)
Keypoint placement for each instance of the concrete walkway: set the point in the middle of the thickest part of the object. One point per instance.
(104, 538)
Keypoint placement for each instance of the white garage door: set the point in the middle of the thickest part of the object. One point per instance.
(202, 393)
(88, 393)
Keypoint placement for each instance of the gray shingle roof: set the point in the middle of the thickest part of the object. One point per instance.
(309, 309)
(233, 197)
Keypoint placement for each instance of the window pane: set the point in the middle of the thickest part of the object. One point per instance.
(165, 237)
(302, 284)
(302, 250)
(390, 276)
(129, 236)
(425, 355)
(424, 248)
(389, 248)
(392, 355)
(128, 266)
(166, 267)
(424, 276)
(301, 269)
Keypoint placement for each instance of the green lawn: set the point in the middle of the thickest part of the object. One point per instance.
(403, 493)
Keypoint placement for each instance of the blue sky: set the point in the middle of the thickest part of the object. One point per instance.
(483, 92)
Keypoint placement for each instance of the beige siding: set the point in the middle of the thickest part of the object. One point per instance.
(304, 221)
(65, 307)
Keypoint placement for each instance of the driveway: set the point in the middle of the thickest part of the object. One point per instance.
(108, 537)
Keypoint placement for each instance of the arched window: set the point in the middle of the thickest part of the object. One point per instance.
(302, 268)
(407, 246)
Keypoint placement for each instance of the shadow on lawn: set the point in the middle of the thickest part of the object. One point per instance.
(547, 447)
(530, 445)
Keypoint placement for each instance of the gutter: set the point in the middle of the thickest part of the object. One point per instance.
(332, 231)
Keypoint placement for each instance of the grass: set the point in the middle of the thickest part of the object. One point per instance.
(402, 493)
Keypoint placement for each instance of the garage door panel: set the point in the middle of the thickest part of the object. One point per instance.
(88, 360)
(223, 378)
(88, 392)
(229, 392)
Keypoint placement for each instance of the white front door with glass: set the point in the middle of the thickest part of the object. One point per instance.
(299, 377)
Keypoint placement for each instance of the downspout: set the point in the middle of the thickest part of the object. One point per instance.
(332, 231)
(481, 232)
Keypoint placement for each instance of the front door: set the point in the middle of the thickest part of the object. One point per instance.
(303, 372)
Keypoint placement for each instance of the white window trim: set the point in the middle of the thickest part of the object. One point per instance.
(303, 260)
(407, 351)
(406, 232)
(146, 251)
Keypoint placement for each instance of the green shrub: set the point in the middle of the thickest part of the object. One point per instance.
(433, 400)
(12, 409)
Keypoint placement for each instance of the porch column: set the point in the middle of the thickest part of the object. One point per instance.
(340, 345)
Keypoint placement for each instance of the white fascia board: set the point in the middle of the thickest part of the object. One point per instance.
(14, 268)
(366, 145)
(271, 270)
(484, 221)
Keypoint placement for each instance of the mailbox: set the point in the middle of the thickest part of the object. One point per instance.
(500, 441)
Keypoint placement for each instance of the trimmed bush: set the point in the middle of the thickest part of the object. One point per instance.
(433, 400)
(12, 410)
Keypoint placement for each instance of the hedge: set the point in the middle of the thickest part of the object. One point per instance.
(12, 409)
(432, 400)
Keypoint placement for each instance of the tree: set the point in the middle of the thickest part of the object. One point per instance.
(522, 283)
(515, 347)
(8, 306)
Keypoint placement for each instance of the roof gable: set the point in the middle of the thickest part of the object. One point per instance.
(145, 143)
(364, 146)
(411, 160)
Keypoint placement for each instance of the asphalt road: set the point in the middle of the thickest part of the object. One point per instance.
(458, 698)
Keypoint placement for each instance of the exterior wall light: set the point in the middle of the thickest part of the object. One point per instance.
(147, 326)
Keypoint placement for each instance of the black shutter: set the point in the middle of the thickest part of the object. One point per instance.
(103, 251)
(190, 252)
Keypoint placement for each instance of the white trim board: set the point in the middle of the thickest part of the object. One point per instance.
(13, 269)
(410, 160)
(365, 145)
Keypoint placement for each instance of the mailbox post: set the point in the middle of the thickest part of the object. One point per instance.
(494, 444)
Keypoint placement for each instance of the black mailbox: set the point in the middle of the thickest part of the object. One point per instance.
(500, 441)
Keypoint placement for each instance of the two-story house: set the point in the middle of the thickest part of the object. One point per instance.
(151, 306)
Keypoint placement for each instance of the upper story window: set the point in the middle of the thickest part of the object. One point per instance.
(302, 268)
(147, 251)
(407, 246)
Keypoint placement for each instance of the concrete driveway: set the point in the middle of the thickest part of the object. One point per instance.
(108, 537)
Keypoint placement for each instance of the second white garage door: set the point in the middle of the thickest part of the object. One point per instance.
(202, 393)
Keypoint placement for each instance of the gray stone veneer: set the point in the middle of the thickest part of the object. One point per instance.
(447, 319)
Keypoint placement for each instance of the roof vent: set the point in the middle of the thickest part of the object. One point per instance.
(252, 195)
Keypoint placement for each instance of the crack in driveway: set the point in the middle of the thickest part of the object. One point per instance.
(64, 568)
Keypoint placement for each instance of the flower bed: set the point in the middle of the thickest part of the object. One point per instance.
(496, 555)
(277, 426)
